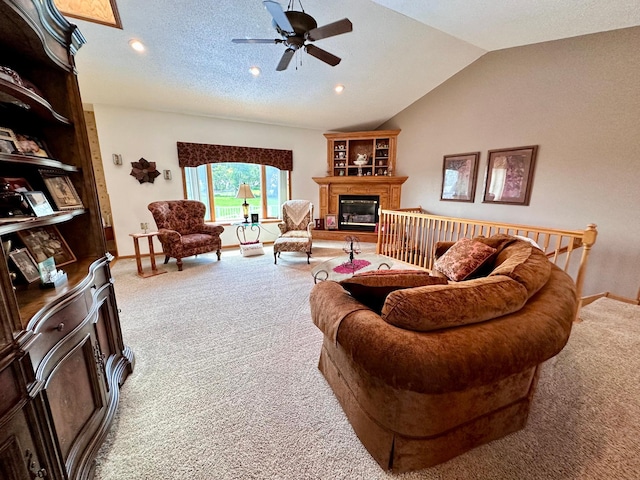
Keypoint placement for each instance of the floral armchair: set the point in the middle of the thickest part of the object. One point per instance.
(295, 229)
(182, 231)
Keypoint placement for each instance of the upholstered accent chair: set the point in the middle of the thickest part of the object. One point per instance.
(182, 231)
(295, 229)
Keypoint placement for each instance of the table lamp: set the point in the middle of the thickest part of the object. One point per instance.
(244, 191)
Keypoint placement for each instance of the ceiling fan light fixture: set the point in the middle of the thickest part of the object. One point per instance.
(339, 88)
(137, 45)
(255, 71)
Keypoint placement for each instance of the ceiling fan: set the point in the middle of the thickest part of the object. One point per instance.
(297, 28)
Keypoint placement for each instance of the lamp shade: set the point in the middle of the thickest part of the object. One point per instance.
(244, 191)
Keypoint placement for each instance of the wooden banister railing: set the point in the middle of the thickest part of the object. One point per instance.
(410, 237)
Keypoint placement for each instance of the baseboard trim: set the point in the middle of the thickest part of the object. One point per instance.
(592, 298)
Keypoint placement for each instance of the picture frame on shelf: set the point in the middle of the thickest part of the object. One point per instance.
(47, 270)
(32, 146)
(62, 191)
(319, 224)
(8, 141)
(16, 184)
(38, 203)
(331, 222)
(25, 264)
(254, 218)
(45, 242)
(459, 173)
(509, 177)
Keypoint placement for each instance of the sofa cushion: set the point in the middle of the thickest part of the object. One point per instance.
(371, 288)
(463, 259)
(525, 264)
(443, 306)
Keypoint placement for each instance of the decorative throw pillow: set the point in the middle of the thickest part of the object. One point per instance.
(371, 288)
(463, 258)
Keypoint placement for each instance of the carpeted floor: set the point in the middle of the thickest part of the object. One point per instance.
(226, 386)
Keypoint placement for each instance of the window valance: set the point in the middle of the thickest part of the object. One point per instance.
(195, 154)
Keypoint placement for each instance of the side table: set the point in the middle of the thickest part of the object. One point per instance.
(152, 255)
(249, 249)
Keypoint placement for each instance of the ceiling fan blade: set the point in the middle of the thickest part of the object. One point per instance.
(256, 40)
(286, 58)
(323, 55)
(330, 30)
(276, 11)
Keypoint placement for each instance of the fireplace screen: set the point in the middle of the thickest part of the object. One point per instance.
(358, 212)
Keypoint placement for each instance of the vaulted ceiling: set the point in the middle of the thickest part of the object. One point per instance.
(398, 51)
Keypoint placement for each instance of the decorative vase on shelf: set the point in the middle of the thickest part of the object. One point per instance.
(361, 159)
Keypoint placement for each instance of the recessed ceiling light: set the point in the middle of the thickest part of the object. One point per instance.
(255, 71)
(137, 45)
(339, 88)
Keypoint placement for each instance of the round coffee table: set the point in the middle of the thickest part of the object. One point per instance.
(342, 267)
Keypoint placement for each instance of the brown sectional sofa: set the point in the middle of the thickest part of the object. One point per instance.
(445, 368)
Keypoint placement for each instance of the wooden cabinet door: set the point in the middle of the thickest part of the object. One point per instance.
(21, 457)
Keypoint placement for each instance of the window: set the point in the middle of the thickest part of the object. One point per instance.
(216, 185)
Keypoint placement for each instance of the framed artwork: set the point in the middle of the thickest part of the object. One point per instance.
(459, 177)
(254, 218)
(16, 184)
(30, 145)
(47, 270)
(8, 141)
(319, 223)
(331, 222)
(62, 191)
(25, 263)
(510, 175)
(45, 242)
(38, 203)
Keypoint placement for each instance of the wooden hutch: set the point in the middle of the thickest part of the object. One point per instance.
(62, 357)
(345, 177)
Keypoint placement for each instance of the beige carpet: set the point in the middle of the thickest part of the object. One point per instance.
(226, 386)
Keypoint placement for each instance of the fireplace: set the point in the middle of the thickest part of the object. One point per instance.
(358, 212)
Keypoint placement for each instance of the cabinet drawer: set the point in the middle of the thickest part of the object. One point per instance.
(58, 325)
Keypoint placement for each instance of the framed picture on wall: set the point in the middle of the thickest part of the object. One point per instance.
(510, 175)
(459, 177)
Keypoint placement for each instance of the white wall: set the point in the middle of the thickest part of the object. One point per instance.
(579, 100)
(153, 136)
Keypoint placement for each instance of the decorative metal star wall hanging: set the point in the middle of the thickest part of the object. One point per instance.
(144, 171)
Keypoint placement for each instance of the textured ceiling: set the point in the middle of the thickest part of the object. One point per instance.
(398, 51)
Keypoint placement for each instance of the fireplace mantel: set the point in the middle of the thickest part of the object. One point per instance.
(388, 188)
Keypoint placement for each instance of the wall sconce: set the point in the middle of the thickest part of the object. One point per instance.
(167, 174)
(117, 159)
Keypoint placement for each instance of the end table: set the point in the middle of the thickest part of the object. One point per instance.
(152, 255)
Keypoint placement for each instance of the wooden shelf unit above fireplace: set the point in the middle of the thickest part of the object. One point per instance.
(378, 145)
